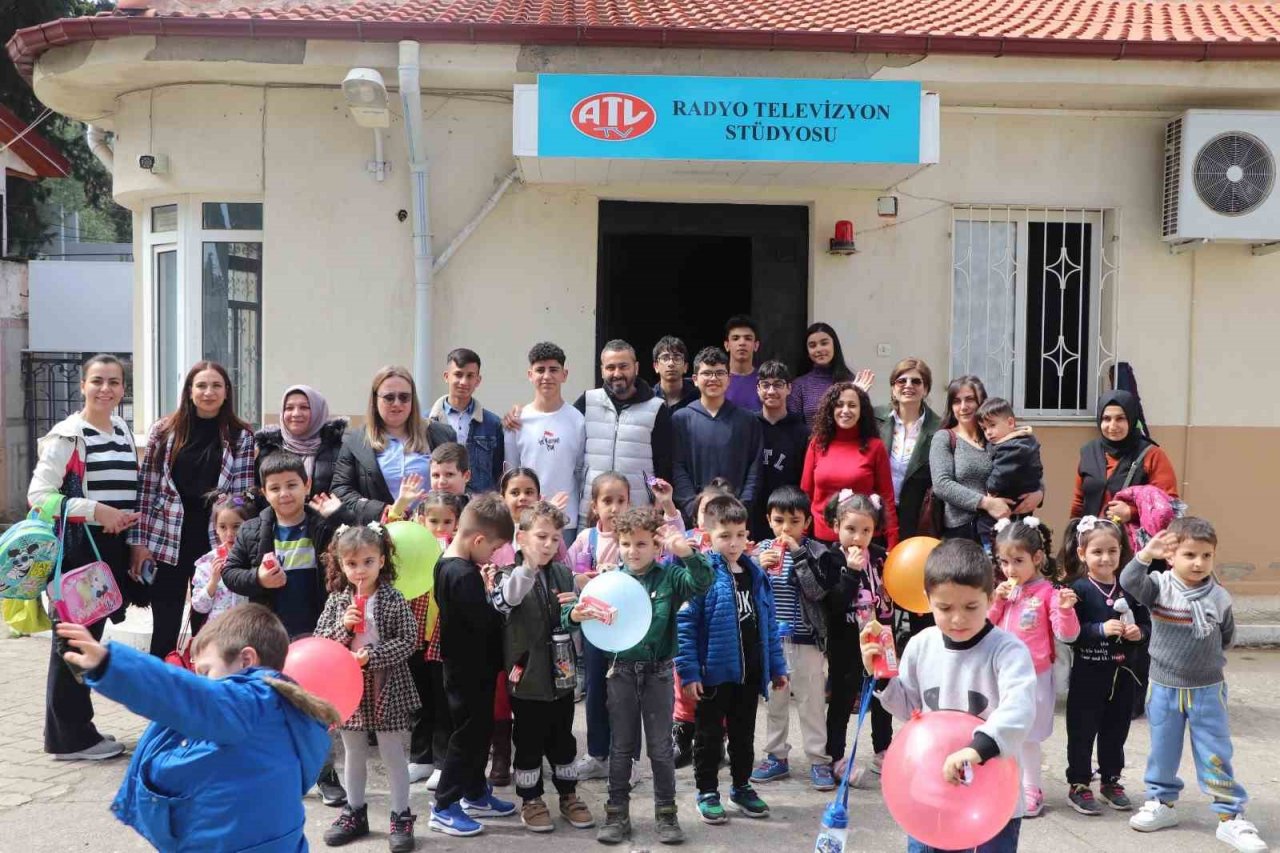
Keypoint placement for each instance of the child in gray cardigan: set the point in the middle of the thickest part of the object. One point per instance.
(1191, 628)
(964, 664)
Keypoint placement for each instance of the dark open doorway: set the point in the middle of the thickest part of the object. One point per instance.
(683, 269)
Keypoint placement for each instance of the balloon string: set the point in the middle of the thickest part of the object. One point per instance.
(842, 795)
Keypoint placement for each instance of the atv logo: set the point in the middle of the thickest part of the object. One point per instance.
(613, 117)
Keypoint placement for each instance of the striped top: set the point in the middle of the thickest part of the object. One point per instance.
(786, 598)
(299, 602)
(111, 468)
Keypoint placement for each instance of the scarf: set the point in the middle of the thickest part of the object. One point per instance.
(1093, 457)
(308, 444)
(1133, 442)
(1204, 616)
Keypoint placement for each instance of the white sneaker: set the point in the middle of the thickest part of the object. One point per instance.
(635, 772)
(1154, 815)
(418, 772)
(1241, 834)
(590, 767)
(434, 780)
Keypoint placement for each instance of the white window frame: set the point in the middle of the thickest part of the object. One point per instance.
(1102, 333)
(188, 241)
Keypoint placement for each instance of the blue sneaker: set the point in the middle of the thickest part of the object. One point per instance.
(453, 821)
(821, 777)
(771, 769)
(488, 806)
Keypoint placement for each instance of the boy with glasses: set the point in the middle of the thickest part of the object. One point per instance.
(715, 438)
(786, 436)
(670, 360)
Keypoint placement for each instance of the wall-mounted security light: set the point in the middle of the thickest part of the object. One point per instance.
(366, 96)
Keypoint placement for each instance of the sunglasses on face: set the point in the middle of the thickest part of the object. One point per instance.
(909, 380)
(398, 397)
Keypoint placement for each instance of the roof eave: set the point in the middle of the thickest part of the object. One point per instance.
(26, 45)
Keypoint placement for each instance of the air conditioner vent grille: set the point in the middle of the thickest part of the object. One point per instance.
(1233, 173)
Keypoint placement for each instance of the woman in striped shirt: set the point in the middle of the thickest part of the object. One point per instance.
(90, 459)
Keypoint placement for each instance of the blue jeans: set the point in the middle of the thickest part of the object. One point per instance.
(598, 733)
(1005, 842)
(1170, 710)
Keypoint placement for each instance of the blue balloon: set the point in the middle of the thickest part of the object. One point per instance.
(635, 612)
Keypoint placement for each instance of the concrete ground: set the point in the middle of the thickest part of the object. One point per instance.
(51, 807)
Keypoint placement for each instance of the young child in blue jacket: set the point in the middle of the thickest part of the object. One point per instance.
(729, 652)
(227, 757)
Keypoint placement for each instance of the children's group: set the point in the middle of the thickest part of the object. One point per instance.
(756, 509)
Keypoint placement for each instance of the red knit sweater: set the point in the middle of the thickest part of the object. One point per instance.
(845, 465)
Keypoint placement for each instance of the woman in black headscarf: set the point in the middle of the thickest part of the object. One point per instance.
(1121, 456)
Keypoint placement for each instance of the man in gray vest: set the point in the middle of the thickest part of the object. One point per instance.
(628, 428)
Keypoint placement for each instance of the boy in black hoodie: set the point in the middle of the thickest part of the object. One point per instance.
(1016, 469)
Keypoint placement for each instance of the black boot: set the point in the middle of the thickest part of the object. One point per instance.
(500, 768)
(682, 738)
(350, 825)
(332, 793)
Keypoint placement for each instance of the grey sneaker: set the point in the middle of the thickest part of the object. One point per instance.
(100, 751)
(617, 825)
(669, 831)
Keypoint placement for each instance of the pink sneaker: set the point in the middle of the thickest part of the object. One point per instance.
(1032, 802)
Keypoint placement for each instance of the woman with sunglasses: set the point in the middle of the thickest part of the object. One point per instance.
(393, 447)
(907, 428)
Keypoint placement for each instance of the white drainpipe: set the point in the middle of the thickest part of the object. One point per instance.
(411, 101)
(96, 139)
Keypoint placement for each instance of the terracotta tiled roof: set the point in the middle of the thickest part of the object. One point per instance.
(1171, 29)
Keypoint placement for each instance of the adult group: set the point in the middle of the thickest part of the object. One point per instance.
(752, 427)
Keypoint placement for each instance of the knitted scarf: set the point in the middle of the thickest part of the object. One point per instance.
(1204, 616)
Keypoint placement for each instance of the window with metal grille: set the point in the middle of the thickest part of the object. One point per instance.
(1033, 308)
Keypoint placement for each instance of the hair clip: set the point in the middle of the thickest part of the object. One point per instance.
(1087, 523)
(1031, 521)
(845, 494)
(342, 528)
(875, 501)
(375, 526)
(1002, 524)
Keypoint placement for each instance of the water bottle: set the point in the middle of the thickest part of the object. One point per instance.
(835, 830)
(566, 675)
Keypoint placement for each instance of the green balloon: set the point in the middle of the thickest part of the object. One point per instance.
(417, 552)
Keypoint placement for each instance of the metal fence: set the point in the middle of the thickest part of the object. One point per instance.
(51, 384)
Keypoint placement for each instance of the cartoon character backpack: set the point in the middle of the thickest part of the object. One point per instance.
(29, 551)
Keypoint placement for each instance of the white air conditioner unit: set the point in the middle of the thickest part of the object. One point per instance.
(1220, 177)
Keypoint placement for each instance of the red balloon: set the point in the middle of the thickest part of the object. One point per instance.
(933, 811)
(327, 669)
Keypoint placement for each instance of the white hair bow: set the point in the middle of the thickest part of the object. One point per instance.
(1031, 521)
(875, 501)
(342, 528)
(845, 494)
(1086, 524)
(375, 526)
(1002, 524)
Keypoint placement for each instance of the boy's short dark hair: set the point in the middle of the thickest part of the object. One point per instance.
(713, 356)
(462, 356)
(960, 562)
(994, 408)
(1194, 528)
(789, 499)
(546, 351)
(741, 321)
(245, 626)
(774, 370)
(281, 462)
(671, 344)
(488, 516)
(452, 451)
(543, 510)
(723, 510)
(638, 518)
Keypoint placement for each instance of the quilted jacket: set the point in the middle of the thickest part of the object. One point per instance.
(710, 651)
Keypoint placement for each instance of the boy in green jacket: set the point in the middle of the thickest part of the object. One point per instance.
(641, 679)
(535, 597)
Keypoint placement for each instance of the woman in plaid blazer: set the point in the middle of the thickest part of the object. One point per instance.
(202, 448)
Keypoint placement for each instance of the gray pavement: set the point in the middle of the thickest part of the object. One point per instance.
(51, 807)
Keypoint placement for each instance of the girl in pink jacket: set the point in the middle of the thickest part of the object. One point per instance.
(1028, 606)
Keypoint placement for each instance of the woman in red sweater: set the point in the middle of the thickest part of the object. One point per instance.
(846, 453)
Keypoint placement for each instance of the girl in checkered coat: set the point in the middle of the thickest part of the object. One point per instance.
(368, 615)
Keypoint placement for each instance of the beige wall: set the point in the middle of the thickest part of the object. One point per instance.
(338, 269)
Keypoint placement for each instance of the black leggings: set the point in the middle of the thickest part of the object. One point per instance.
(847, 676)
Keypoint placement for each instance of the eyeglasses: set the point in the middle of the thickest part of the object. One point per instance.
(908, 380)
(398, 397)
(670, 358)
(772, 386)
(713, 374)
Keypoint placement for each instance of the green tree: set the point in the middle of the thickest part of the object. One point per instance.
(31, 218)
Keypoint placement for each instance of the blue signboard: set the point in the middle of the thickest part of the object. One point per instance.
(728, 118)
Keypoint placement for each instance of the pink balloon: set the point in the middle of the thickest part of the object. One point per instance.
(929, 809)
(327, 669)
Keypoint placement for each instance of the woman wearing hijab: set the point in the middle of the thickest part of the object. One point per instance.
(1121, 456)
(305, 429)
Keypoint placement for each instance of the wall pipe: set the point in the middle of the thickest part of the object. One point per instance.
(470, 227)
(411, 102)
(96, 139)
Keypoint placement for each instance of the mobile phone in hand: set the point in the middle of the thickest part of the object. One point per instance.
(148, 573)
